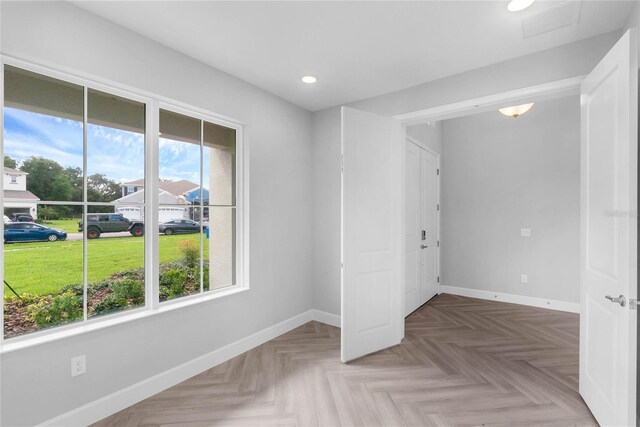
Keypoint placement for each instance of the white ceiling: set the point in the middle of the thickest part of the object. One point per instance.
(356, 49)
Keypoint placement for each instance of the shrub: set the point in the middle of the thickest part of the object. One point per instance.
(123, 294)
(76, 289)
(135, 274)
(61, 308)
(131, 291)
(172, 283)
(25, 299)
(205, 276)
(109, 304)
(190, 252)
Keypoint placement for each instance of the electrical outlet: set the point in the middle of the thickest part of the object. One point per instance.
(78, 365)
(524, 278)
(525, 232)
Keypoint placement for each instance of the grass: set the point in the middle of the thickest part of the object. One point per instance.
(43, 268)
(68, 225)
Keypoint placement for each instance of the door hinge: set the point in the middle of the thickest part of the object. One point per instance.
(437, 171)
(633, 304)
(438, 279)
(342, 163)
(438, 206)
(438, 243)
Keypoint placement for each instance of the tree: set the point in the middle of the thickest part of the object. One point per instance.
(102, 189)
(51, 182)
(47, 179)
(75, 178)
(47, 212)
(10, 163)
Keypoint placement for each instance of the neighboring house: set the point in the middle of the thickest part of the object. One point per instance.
(132, 186)
(17, 199)
(176, 200)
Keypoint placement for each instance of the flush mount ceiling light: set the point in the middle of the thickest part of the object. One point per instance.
(518, 5)
(309, 79)
(516, 110)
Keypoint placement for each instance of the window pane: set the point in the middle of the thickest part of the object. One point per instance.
(220, 253)
(43, 265)
(115, 149)
(179, 158)
(219, 165)
(115, 262)
(180, 248)
(42, 137)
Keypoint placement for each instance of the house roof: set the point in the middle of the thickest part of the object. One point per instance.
(177, 188)
(138, 198)
(22, 195)
(138, 182)
(12, 170)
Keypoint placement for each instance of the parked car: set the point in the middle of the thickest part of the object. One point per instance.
(30, 232)
(99, 223)
(21, 217)
(179, 226)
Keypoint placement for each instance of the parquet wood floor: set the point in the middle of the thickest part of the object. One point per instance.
(463, 362)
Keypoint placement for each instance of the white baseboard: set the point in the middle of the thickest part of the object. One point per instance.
(108, 405)
(572, 307)
(326, 318)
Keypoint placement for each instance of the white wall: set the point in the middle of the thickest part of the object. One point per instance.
(554, 64)
(21, 182)
(499, 175)
(562, 62)
(634, 22)
(429, 135)
(326, 210)
(36, 384)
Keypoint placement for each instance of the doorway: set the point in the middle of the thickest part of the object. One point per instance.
(422, 225)
(373, 255)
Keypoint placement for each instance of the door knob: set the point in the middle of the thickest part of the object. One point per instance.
(423, 246)
(620, 300)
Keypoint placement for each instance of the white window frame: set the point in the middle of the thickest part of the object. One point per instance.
(153, 103)
(204, 116)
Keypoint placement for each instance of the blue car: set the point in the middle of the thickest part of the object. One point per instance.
(29, 232)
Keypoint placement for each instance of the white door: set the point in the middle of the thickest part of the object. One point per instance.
(412, 229)
(421, 226)
(608, 249)
(429, 246)
(372, 252)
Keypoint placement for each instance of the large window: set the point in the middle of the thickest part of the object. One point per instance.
(197, 169)
(82, 238)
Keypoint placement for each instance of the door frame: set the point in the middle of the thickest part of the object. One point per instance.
(550, 90)
(422, 146)
(545, 91)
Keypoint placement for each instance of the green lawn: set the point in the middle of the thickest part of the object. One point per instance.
(68, 225)
(44, 268)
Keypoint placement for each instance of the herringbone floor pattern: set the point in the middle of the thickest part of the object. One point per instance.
(463, 362)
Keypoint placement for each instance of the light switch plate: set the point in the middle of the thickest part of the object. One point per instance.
(524, 278)
(525, 232)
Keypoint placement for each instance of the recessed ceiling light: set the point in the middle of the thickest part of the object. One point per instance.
(309, 79)
(518, 5)
(516, 111)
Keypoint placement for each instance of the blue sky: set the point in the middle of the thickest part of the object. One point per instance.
(115, 153)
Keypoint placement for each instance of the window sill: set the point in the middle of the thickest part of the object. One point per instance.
(63, 332)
